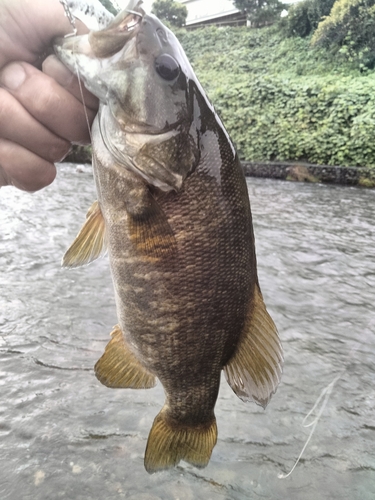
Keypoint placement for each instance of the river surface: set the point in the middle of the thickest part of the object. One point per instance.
(64, 435)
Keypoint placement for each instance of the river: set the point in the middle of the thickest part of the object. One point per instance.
(64, 435)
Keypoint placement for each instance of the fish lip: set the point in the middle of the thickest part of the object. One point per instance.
(123, 24)
(76, 45)
(127, 25)
(139, 13)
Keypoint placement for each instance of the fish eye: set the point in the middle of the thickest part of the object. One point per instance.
(167, 67)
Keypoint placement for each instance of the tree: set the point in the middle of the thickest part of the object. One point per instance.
(349, 30)
(304, 17)
(261, 12)
(171, 11)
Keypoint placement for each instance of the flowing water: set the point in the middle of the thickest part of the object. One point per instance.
(64, 435)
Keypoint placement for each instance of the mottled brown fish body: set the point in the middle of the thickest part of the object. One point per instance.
(182, 314)
(174, 212)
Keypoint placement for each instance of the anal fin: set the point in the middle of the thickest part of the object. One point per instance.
(255, 369)
(169, 442)
(118, 368)
(90, 242)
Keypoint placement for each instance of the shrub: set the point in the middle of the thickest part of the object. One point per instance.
(321, 120)
(170, 11)
(304, 17)
(282, 100)
(298, 22)
(350, 31)
(261, 12)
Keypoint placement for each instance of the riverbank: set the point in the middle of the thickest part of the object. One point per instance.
(289, 171)
(307, 172)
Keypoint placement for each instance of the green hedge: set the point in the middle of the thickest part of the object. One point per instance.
(223, 53)
(349, 30)
(304, 16)
(275, 107)
(322, 121)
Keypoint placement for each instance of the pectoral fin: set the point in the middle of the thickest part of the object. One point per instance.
(90, 242)
(151, 233)
(254, 370)
(118, 368)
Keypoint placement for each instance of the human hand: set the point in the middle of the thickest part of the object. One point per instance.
(41, 110)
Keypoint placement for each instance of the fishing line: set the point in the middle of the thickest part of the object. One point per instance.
(81, 91)
(72, 22)
(326, 393)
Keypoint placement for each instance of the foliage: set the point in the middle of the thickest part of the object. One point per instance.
(304, 17)
(109, 6)
(316, 120)
(282, 100)
(298, 22)
(171, 11)
(350, 30)
(261, 12)
(223, 53)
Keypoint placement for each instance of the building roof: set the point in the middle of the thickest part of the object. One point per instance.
(200, 11)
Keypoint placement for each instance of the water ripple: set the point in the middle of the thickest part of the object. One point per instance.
(317, 272)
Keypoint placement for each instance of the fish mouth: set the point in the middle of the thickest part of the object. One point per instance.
(136, 11)
(107, 42)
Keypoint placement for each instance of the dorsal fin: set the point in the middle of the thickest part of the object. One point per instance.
(90, 242)
(254, 370)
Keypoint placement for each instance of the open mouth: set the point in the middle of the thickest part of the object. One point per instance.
(108, 41)
(128, 19)
(112, 39)
(131, 20)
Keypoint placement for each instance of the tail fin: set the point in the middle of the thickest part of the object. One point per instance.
(168, 443)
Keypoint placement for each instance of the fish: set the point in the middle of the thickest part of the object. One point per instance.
(173, 213)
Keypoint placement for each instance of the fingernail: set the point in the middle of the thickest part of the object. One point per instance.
(12, 76)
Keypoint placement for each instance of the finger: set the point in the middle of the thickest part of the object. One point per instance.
(56, 69)
(28, 27)
(24, 169)
(17, 125)
(47, 101)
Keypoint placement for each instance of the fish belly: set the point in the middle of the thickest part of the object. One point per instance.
(182, 314)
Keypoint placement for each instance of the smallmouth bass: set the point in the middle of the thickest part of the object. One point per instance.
(174, 212)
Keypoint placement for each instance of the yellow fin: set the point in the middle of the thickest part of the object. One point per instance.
(255, 369)
(151, 233)
(90, 242)
(118, 368)
(168, 443)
